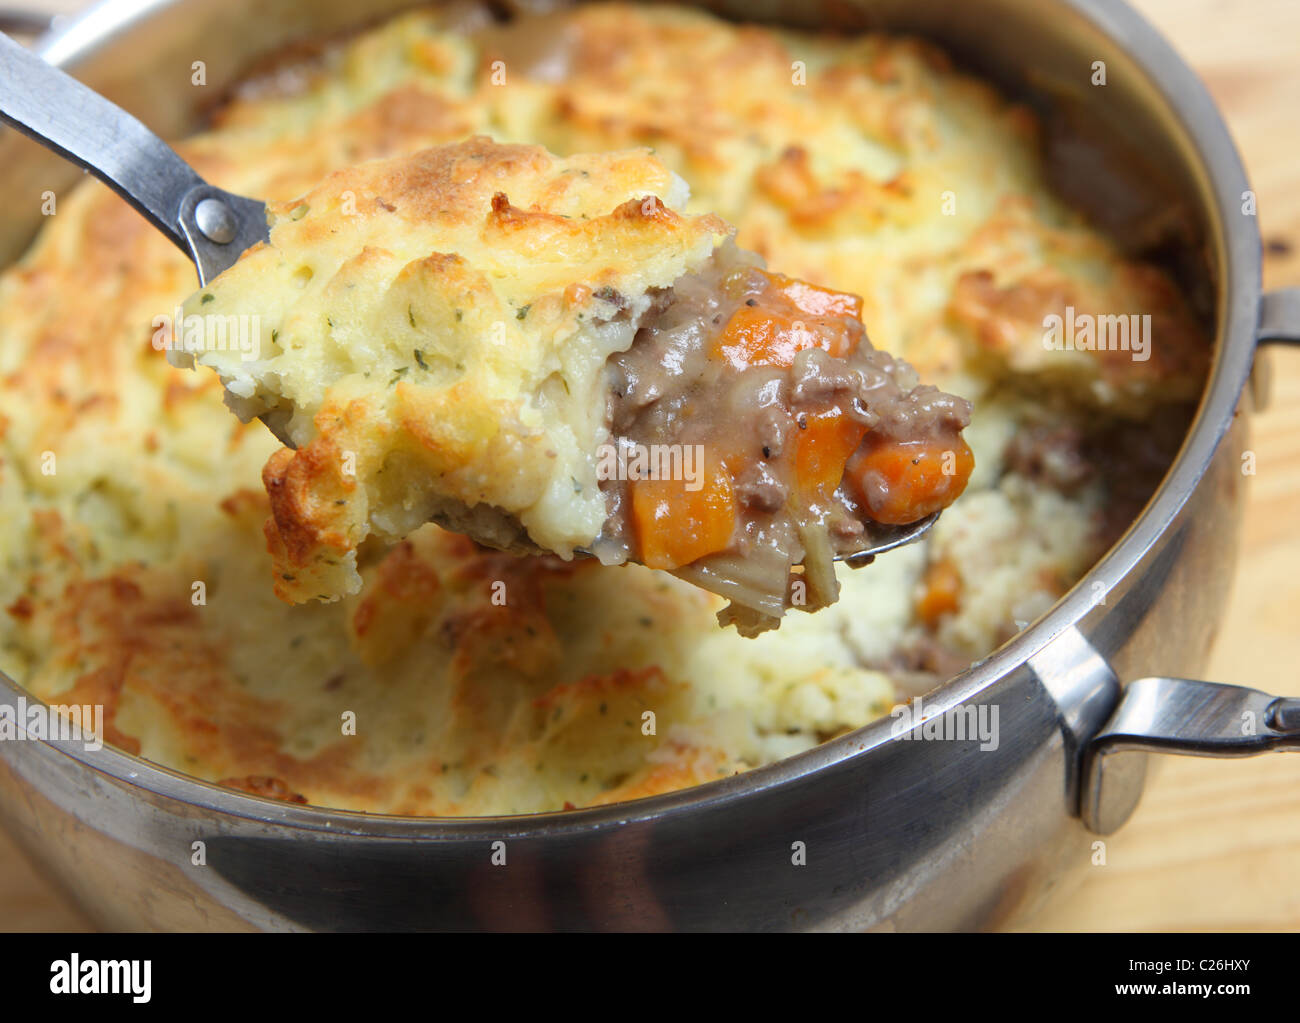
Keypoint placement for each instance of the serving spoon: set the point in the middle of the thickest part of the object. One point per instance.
(211, 226)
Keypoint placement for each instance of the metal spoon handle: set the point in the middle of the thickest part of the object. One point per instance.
(210, 226)
(76, 122)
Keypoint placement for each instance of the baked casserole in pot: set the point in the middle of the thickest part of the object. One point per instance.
(458, 697)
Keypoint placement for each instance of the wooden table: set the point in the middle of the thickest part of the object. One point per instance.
(1215, 844)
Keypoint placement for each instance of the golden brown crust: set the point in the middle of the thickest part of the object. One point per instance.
(1005, 317)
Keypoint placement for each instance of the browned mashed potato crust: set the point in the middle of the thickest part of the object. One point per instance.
(136, 575)
(430, 335)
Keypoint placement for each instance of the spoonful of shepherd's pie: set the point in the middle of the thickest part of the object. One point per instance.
(540, 353)
(537, 352)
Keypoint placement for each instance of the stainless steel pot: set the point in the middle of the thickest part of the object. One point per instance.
(896, 833)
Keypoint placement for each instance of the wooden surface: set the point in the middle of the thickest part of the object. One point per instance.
(1215, 844)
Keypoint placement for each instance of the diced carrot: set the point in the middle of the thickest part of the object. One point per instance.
(818, 301)
(755, 336)
(903, 481)
(824, 446)
(676, 526)
(941, 592)
(782, 322)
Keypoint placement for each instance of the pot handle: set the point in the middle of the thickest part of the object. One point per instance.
(1279, 324)
(1177, 715)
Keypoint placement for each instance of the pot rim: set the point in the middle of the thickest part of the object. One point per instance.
(1238, 293)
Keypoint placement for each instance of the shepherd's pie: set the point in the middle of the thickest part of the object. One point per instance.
(135, 570)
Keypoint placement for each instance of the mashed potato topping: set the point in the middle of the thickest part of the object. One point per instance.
(432, 335)
(135, 571)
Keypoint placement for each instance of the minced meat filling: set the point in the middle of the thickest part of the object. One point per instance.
(756, 429)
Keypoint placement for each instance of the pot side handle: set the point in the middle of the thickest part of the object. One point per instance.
(1177, 715)
(1279, 324)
